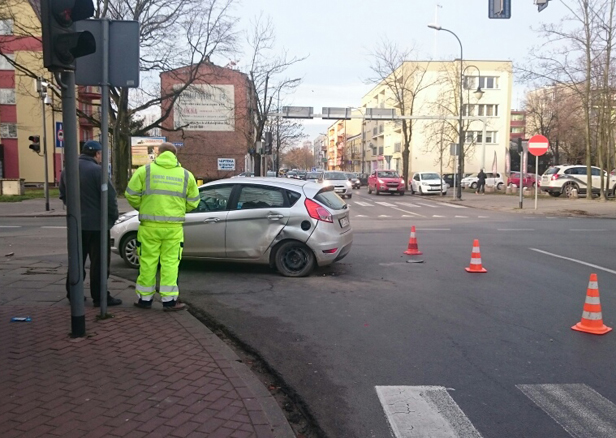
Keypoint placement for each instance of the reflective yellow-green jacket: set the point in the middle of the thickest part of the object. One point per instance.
(163, 192)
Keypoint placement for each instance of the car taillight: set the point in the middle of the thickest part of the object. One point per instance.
(317, 211)
(555, 177)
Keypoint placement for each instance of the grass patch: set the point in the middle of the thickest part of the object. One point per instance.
(30, 194)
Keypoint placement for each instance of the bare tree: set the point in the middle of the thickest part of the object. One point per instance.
(267, 69)
(404, 81)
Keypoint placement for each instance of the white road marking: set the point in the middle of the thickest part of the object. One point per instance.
(406, 215)
(580, 410)
(446, 204)
(10, 226)
(409, 212)
(550, 217)
(361, 215)
(385, 204)
(463, 217)
(427, 205)
(54, 228)
(363, 204)
(424, 411)
(574, 260)
(585, 229)
(483, 217)
(515, 229)
(383, 215)
(408, 204)
(436, 215)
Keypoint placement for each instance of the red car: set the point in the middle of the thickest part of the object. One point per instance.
(385, 181)
(529, 179)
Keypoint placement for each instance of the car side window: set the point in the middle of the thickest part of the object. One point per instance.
(416, 177)
(595, 172)
(213, 198)
(252, 197)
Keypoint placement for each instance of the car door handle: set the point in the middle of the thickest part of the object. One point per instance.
(275, 216)
(211, 219)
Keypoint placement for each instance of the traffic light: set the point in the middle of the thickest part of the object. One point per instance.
(36, 143)
(61, 44)
(267, 149)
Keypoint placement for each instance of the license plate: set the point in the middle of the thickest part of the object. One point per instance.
(393, 189)
(344, 222)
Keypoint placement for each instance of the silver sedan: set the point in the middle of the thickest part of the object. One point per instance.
(290, 224)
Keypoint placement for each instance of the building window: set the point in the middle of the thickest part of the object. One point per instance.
(487, 110)
(4, 62)
(517, 130)
(477, 137)
(8, 130)
(484, 82)
(517, 117)
(397, 147)
(7, 96)
(6, 27)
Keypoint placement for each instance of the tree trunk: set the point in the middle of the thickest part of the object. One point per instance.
(121, 144)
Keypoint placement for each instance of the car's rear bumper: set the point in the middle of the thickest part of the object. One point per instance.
(325, 238)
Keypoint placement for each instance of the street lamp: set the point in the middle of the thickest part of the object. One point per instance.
(461, 137)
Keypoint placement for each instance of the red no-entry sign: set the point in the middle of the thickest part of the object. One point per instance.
(538, 145)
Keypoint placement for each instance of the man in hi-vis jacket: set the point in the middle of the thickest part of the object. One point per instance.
(163, 192)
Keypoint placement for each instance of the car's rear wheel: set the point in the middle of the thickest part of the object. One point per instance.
(349, 196)
(420, 191)
(129, 250)
(569, 187)
(294, 259)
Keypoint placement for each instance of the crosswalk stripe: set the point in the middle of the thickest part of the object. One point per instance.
(363, 204)
(361, 215)
(462, 217)
(10, 226)
(427, 205)
(408, 204)
(580, 410)
(424, 411)
(55, 228)
(383, 215)
(446, 204)
(437, 215)
(385, 204)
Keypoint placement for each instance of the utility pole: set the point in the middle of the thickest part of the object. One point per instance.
(41, 88)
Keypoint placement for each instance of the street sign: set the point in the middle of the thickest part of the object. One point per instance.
(499, 9)
(59, 135)
(538, 145)
(226, 164)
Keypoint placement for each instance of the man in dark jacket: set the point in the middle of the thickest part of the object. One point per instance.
(90, 175)
(481, 183)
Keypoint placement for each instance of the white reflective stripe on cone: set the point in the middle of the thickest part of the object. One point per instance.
(593, 300)
(593, 316)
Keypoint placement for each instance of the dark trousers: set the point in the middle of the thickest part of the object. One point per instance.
(481, 187)
(91, 247)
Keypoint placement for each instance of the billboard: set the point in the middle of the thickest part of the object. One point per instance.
(144, 149)
(205, 107)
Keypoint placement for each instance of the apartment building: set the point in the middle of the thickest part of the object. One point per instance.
(22, 109)
(433, 90)
(337, 142)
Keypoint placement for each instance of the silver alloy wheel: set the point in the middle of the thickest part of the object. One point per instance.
(568, 189)
(129, 250)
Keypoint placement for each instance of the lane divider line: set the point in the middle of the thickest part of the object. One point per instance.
(611, 271)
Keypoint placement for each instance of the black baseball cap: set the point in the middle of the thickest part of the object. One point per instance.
(92, 145)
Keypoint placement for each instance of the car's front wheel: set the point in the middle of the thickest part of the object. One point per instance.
(369, 190)
(499, 186)
(129, 250)
(473, 186)
(294, 259)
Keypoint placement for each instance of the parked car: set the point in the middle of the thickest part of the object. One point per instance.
(314, 177)
(301, 174)
(244, 174)
(492, 180)
(339, 181)
(270, 173)
(363, 179)
(427, 182)
(385, 181)
(564, 178)
(292, 225)
(529, 179)
(449, 178)
(292, 174)
(354, 178)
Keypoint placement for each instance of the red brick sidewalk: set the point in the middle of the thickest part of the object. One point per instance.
(143, 373)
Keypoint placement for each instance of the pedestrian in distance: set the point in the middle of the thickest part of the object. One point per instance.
(163, 192)
(90, 176)
(481, 183)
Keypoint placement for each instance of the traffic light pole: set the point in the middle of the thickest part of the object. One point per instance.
(73, 207)
(105, 168)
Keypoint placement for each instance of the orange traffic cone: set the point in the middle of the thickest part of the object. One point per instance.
(412, 248)
(592, 319)
(475, 265)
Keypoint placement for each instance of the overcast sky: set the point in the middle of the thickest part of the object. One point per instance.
(339, 35)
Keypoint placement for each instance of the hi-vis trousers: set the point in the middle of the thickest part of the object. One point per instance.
(164, 245)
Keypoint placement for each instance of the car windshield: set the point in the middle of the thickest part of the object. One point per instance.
(313, 175)
(387, 174)
(472, 175)
(350, 175)
(430, 176)
(552, 171)
(334, 175)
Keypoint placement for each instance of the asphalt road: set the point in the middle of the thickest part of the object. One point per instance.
(495, 350)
